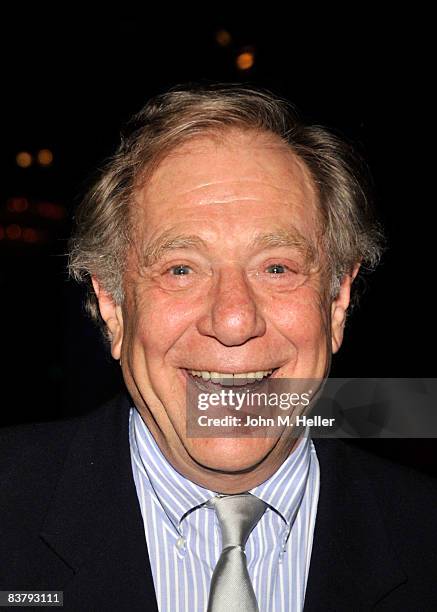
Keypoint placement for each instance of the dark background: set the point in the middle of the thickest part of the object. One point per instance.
(68, 83)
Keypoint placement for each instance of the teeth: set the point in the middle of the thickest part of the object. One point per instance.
(219, 376)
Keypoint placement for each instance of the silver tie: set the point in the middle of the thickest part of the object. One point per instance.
(231, 589)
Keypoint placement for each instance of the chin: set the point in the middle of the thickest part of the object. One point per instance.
(230, 455)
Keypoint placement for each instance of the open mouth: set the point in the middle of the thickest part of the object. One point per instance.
(211, 381)
(224, 395)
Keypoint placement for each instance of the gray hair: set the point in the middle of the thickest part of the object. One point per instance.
(103, 222)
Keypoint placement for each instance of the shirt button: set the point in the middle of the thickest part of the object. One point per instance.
(180, 543)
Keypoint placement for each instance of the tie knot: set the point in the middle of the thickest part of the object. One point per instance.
(237, 516)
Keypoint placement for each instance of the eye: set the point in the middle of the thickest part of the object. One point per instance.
(180, 270)
(277, 269)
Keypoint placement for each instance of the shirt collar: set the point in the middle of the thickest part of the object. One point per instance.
(176, 494)
(283, 491)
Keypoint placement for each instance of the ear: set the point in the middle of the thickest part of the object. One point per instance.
(112, 315)
(339, 307)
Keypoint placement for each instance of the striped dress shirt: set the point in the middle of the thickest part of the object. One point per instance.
(184, 540)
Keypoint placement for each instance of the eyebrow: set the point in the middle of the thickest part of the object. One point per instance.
(290, 238)
(168, 242)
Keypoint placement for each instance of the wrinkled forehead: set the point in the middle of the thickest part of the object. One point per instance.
(221, 174)
(227, 157)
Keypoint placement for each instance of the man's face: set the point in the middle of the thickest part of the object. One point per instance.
(221, 279)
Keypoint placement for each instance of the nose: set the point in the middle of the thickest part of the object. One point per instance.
(232, 316)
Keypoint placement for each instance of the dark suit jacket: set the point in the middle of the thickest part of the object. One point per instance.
(70, 520)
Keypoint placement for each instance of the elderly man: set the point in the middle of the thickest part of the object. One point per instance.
(219, 246)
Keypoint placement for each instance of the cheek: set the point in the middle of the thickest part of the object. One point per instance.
(159, 320)
(300, 318)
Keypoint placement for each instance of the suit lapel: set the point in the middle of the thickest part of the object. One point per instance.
(352, 564)
(94, 522)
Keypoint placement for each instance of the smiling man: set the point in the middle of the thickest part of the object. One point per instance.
(224, 279)
(220, 247)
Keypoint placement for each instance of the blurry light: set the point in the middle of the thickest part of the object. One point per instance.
(24, 159)
(245, 60)
(223, 38)
(13, 232)
(2, 232)
(30, 235)
(51, 210)
(44, 157)
(18, 204)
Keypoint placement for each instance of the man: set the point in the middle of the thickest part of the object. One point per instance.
(219, 247)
